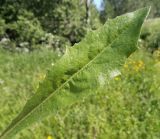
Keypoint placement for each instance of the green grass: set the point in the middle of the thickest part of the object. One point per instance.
(20, 74)
(126, 108)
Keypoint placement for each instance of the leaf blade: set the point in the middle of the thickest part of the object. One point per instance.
(64, 83)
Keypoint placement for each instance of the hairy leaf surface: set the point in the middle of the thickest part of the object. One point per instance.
(83, 69)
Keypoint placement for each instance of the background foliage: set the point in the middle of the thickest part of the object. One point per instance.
(29, 21)
(26, 24)
(127, 108)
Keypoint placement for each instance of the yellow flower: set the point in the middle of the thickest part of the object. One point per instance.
(49, 137)
(134, 66)
(126, 66)
(117, 78)
(139, 65)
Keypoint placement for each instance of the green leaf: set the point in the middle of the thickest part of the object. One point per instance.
(83, 69)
